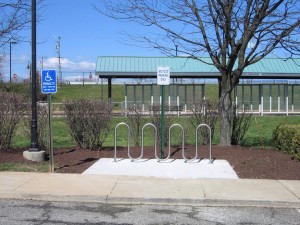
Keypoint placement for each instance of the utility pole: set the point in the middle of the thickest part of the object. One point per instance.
(59, 63)
(42, 63)
(10, 43)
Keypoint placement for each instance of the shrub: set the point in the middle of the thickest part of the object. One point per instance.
(89, 122)
(286, 138)
(135, 116)
(155, 116)
(12, 111)
(42, 122)
(204, 112)
(297, 156)
(240, 124)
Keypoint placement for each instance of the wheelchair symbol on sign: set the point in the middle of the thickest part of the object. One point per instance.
(48, 77)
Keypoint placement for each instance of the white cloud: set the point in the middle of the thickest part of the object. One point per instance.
(68, 65)
(23, 58)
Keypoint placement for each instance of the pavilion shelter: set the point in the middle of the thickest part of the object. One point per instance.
(268, 86)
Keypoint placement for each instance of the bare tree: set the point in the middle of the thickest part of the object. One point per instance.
(15, 16)
(223, 30)
(1, 67)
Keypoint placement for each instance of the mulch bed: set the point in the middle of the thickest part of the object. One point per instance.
(246, 162)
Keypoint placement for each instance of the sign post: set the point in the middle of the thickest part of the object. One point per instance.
(49, 86)
(163, 78)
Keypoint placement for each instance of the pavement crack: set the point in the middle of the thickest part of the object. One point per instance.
(24, 183)
(111, 191)
(287, 188)
(203, 191)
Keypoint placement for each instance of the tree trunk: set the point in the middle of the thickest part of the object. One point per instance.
(225, 107)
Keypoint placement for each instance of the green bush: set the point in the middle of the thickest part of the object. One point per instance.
(286, 138)
(297, 156)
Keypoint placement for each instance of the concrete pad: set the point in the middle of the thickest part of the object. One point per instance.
(34, 156)
(68, 186)
(141, 189)
(10, 181)
(245, 189)
(292, 185)
(165, 169)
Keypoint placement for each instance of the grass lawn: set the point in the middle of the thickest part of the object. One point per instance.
(260, 131)
(261, 128)
(25, 167)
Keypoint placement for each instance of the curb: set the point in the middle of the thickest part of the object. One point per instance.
(155, 201)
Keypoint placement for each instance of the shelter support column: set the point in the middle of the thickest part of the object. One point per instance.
(109, 91)
(286, 98)
(125, 103)
(292, 98)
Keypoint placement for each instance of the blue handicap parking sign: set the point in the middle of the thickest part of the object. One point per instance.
(48, 82)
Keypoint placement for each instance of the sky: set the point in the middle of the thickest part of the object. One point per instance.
(85, 34)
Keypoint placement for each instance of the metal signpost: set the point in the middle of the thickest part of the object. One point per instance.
(49, 86)
(163, 78)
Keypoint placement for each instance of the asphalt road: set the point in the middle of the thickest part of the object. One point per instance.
(14, 212)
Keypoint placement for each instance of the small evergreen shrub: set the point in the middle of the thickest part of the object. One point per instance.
(286, 138)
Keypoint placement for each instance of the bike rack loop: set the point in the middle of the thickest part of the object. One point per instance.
(204, 125)
(128, 139)
(155, 138)
(182, 134)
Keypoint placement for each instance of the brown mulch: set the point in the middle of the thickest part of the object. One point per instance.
(246, 162)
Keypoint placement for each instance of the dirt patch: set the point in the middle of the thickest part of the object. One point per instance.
(246, 162)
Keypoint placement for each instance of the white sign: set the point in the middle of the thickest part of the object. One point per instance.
(163, 75)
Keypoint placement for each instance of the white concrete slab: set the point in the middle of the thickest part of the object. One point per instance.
(247, 189)
(165, 169)
(10, 181)
(292, 185)
(157, 188)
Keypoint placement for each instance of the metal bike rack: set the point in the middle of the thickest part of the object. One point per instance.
(155, 142)
(155, 138)
(128, 139)
(182, 135)
(204, 125)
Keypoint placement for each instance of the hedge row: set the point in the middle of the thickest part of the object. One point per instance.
(286, 138)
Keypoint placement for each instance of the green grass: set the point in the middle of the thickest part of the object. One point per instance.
(262, 127)
(61, 137)
(25, 167)
(87, 91)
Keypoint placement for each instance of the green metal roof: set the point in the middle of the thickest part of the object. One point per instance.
(131, 67)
